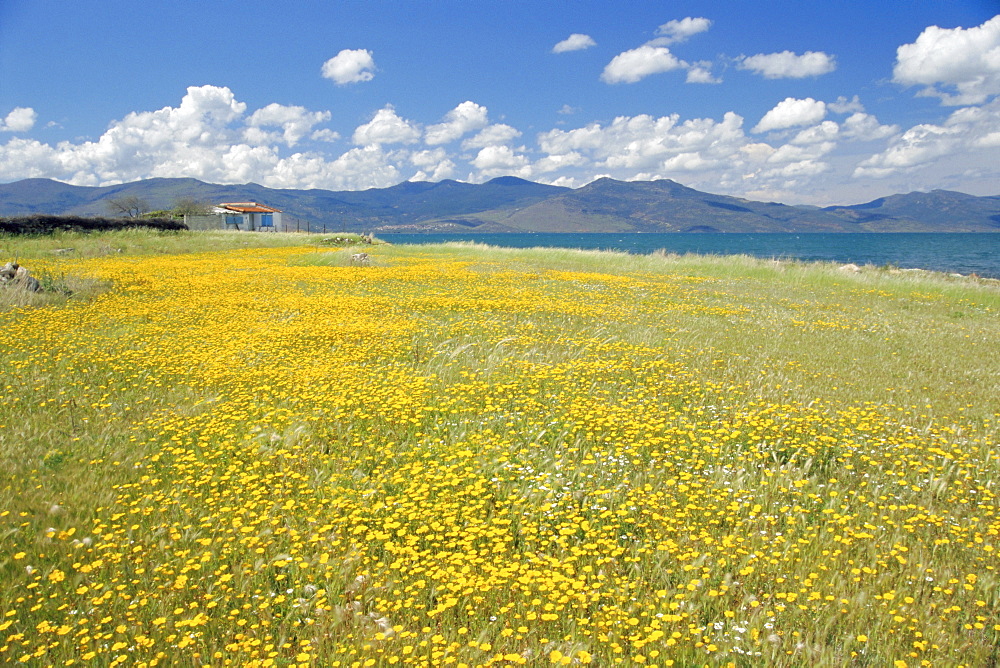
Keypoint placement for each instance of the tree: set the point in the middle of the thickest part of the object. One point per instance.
(188, 206)
(130, 206)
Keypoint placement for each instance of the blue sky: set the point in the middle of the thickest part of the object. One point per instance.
(797, 102)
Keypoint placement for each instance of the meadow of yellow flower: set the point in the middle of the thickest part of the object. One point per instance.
(461, 457)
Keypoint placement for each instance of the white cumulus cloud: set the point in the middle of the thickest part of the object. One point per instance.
(350, 66)
(493, 161)
(700, 73)
(824, 132)
(672, 32)
(434, 165)
(636, 64)
(295, 123)
(967, 60)
(20, 119)
(30, 159)
(845, 106)
(386, 128)
(461, 120)
(553, 163)
(647, 144)
(362, 167)
(574, 42)
(865, 127)
(788, 65)
(801, 152)
(793, 172)
(492, 135)
(790, 113)
(704, 153)
(966, 141)
(920, 144)
(205, 137)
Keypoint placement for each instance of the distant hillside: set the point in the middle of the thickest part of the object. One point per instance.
(509, 204)
(607, 205)
(936, 210)
(403, 204)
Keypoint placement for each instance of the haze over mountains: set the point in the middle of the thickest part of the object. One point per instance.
(509, 204)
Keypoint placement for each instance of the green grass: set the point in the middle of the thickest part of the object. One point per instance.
(143, 242)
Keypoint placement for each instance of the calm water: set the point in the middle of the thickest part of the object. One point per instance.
(953, 253)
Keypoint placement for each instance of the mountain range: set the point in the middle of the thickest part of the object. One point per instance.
(510, 204)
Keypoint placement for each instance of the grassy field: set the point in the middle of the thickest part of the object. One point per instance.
(239, 449)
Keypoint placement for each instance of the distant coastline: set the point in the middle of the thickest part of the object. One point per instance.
(958, 253)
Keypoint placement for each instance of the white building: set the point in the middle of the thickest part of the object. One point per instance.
(249, 216)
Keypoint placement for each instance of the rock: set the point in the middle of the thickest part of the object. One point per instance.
(360, 259)
(15, 275)
(852, 268)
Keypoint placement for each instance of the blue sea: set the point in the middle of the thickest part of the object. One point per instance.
(961, 253)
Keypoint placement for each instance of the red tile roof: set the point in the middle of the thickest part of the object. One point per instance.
(248, 207)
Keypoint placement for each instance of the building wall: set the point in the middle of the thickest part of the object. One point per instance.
(275, 221)
(248, 222)
(209, 222)
(255, 222)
